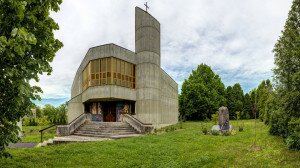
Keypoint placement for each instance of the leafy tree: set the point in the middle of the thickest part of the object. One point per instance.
(247, 108)
(264, 91)
(50, 112)
(62, 114)
(38, 111)
(201, 94)
(27, 45)
(253, 99)
(234, 99)
(287, 77)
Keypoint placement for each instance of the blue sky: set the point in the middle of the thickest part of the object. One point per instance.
(234, 37)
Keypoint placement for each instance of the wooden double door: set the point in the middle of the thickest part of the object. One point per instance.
(109, 112)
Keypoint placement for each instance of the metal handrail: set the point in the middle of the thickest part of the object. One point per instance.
(41, 131)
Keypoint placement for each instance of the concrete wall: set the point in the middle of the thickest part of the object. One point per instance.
(109, 91)
(147, 46)
(169, 99)
(75, 108)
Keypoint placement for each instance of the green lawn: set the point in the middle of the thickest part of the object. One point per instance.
(185, 147)
(32, 134)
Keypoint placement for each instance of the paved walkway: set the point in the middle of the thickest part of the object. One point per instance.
(74, 138)
(22, 145)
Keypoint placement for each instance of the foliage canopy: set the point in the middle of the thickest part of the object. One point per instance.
(201, 95)
(27, 46)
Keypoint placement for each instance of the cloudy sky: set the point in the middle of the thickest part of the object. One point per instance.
(234, 37)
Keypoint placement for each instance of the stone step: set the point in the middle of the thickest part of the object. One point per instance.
(107, 123)
(88, 126)
(102, 134)
(104, 128)
(114, 136)
(105, 132)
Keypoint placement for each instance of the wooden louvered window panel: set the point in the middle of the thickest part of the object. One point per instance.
(108, 71)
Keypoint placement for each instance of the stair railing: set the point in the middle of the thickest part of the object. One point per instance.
(41, 131)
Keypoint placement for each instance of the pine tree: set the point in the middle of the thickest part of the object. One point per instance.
(263, 91)
(234, 99)
(247, 108)
(287, 78)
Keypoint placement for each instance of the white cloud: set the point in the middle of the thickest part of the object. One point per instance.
(234, 37)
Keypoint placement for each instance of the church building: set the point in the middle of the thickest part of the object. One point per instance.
(112, 81)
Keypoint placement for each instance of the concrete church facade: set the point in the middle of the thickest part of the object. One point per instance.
(112, 81)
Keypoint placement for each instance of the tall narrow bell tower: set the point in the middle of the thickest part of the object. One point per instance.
(147, 48)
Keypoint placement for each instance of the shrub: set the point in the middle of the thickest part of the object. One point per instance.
(207, 120)
(241, 128)
(232, 132)
(279, 123)
(25, 121)
(215, 132)
(28, 121)
(293, 140)
(44, 121)
(180, 125)
(226, 133)
(214, 118)
(204, 130)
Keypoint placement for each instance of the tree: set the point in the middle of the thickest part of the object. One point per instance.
(27, 46)
(234, 99)
(38, 111)
(286, 111)
(62, 113)
(247, 108)
(253, 100)
(50, 112)
(201, 94)
(263, 91)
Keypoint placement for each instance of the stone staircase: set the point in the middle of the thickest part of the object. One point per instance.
(111, 130)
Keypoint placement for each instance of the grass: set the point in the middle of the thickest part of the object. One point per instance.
(32, 134)
(186, 147)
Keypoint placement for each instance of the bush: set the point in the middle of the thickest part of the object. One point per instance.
(225, 133)
(279, 123)
(25, 121)
(204, 130)
(232, 132)
(215, 132)
(214, 118)
(293, 140)
(44, 121)
(241, 128)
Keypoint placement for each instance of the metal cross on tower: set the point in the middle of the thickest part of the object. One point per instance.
(147, 7)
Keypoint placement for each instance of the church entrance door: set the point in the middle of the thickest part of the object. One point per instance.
(110, 112)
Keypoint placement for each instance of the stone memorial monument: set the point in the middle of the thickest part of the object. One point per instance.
(223, 116)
